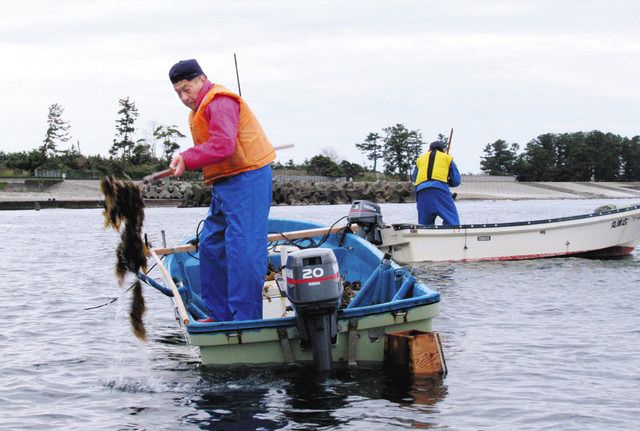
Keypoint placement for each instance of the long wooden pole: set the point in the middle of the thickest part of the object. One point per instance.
(283, 146)
(235, 60)
(296, 234)
(176, 294)
(449, 141)
(168, 172)
(157, 175)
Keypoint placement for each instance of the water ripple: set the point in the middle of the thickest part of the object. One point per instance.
(545, 344)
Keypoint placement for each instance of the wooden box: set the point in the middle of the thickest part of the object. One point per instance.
(417, 352)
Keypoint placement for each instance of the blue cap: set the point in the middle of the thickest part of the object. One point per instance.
(185, 69)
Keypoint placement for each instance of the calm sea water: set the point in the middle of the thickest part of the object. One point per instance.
(543, 344)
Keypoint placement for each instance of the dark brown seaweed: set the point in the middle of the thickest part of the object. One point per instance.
(124, 212)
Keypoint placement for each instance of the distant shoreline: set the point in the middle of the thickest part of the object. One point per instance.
(75, 194)
(74, 204)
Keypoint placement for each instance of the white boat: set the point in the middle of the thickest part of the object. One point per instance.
(604, 233)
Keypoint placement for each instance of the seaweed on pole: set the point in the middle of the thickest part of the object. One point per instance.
(124, 212)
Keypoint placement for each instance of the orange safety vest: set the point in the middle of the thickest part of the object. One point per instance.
(253, 149)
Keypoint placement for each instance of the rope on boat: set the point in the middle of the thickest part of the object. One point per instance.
(312, 243)
(111, 301)
(196, 240)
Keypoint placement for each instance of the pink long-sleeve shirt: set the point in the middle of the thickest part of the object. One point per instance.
(222, 114)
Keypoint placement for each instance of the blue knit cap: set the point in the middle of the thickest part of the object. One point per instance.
(185, 69)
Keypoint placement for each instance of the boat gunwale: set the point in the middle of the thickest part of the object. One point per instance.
(405, 226)
(428, 296)
(432, 297)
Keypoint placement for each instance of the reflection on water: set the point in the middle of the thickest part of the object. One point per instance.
(171, 339)
(231, 408)
(301, 398)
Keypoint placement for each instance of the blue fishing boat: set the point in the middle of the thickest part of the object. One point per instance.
(309, 314)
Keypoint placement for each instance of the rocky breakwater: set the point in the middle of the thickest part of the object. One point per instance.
(293, 192)
(188, 194)
(340, 192)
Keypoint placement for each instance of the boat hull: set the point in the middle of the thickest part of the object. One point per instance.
(265, 346)
(274, 339)
(606, 234)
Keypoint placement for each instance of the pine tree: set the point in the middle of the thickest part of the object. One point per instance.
(168, 136)
(499, 158)
(631, 159)
(57, 131)
(124, 129)
(323, 165)
(372, 148)
(401, 149)
(141, 153)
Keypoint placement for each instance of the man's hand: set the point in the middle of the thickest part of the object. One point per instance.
(177, 163)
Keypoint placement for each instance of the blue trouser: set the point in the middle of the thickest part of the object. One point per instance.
(433, 202)
(233, 245)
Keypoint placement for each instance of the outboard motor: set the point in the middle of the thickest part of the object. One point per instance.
(314, 288)
(368, 216)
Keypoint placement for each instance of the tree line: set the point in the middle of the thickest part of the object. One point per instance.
(578, 156)
(127, 155)
(396, 147)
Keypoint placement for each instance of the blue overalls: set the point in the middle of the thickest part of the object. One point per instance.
(233, 245)
(433, 202)
(433, 199)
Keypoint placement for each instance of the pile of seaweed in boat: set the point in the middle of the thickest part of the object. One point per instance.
(124, 212)
(349, 292)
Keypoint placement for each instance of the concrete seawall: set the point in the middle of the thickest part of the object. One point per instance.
(86, 193)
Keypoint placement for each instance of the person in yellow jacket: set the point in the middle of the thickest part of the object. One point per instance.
(234, 154)
(434, 172)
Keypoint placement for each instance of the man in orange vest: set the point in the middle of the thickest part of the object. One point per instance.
(234, 154)
(434, 172)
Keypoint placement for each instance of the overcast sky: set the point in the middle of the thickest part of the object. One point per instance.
(322, 75)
